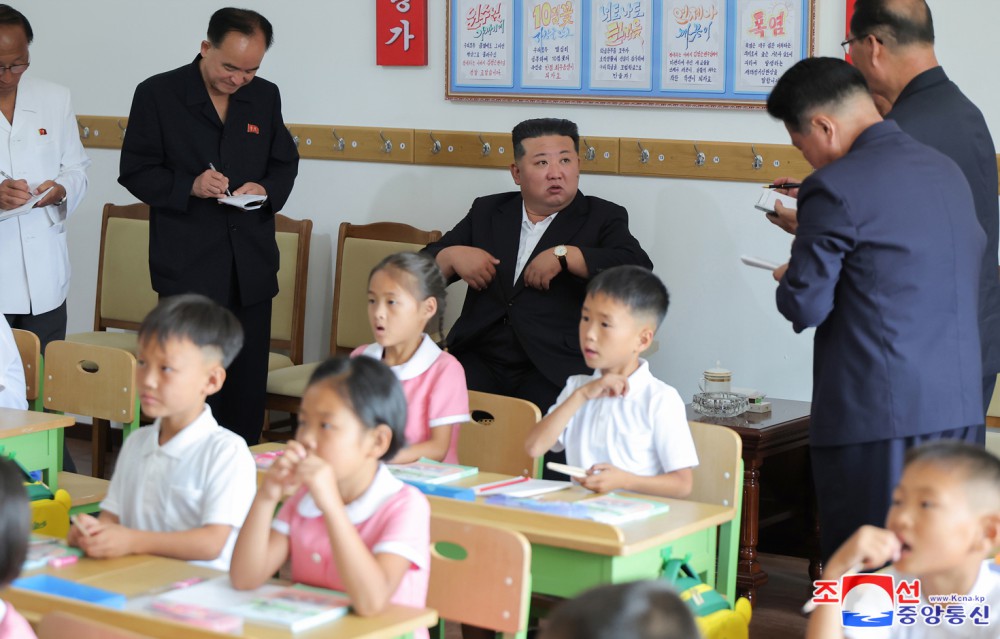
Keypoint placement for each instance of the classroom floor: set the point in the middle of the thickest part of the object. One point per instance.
(776, 615)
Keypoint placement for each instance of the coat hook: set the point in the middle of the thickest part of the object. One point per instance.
(295, 138)
(340, 141)
(386, 143)
(486, 145)
(84, 129)
(436, 146)
(591, 152)
(699, 157)
(643, 153)
(122, 127)
(758, 159)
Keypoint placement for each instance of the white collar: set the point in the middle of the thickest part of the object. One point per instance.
(639, 378)
(425, 356)
(384, 485)
(189, 436)
(544, 222)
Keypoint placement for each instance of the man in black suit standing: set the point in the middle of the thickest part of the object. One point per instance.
(526, 257)
(195, 134)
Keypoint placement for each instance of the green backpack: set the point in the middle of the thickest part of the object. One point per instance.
(715, 617)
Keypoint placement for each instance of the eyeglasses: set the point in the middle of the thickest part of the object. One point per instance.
(846, 44)
(16, 69)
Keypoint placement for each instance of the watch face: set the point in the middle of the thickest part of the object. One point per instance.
(560, 251)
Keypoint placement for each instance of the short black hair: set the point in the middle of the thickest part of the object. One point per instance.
(980, 466)
(372, 391)
(196, 318)
(10, 15)
(636, 610)
(812, 83)
(883, 18)
(543, 126)
(634, 286)
(245, 21)
(15, 521)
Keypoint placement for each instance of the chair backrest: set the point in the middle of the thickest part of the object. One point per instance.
(30, 350)
(124, 290)
(494, 440)
(61, 625)
(359, 249)
(490, 586)
(716, 475)
(288, 309)
(96, 381)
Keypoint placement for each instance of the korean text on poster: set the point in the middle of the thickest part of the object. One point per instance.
(485, 37)
(694, 45)
(551, 35)
(768, 42)
(622, 42)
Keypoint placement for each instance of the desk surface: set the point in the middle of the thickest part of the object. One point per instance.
(139, 575)
(14, 422)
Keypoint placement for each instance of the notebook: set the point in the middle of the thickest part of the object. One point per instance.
(525, 487)
(615, 509)
(42, 550)
(428, 471)
(246, 201)
(767, 199)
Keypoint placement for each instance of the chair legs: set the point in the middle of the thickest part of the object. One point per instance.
(99, 447)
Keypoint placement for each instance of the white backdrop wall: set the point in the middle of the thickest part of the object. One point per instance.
(324, 62)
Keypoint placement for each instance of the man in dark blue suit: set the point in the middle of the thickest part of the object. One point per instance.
(885, 264)
(527, 257)
(892, 44)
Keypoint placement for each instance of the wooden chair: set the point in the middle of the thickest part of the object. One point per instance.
(490, 586)
(30, 350)
(288, 309)
(96, 381)
(359, 249)
(494, 440)
(61, 625)
(718, 479)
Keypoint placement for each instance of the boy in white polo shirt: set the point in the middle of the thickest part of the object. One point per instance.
(628, 429)
(183, 486)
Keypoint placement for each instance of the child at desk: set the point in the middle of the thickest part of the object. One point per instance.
(405, 292)
(182, 487)
(635, 610)
(12, 388)
(15, 528)
(628, 429)
(943, 523)
(350, 526)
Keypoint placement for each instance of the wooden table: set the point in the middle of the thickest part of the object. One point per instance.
(785, 428)
(137, 575)
(34, 437)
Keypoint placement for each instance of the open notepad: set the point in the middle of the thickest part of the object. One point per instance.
(27, 206)
(246, 202)
(767, 199)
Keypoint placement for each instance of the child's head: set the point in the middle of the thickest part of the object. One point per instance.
(946, 508)
(405, 292)
(637, 610)
(15, 521)
(353, 411)
(185, 345)
(623, 308)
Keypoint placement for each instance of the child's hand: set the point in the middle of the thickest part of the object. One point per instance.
(869, 547)
(604, 478)
(278, 479)
(317, 474)
(610, 385)
(83, 526)
(110, 540)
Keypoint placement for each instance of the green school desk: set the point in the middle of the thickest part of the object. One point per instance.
(572, 555)
(139, 575)
(35, 440)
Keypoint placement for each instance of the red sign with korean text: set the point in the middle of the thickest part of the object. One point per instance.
(401, 32)
(847, 30)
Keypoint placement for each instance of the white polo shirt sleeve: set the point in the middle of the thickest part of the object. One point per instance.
(572, 383)
(230, 486)
(671, 433)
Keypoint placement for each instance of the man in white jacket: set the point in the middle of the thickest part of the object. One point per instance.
(40, 151)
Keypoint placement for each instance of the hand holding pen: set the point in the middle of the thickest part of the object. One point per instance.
(13, 193)
(210, 184)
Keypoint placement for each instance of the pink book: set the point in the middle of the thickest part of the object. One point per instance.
(199, 616)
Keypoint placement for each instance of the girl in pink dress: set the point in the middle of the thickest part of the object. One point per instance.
(350, 526)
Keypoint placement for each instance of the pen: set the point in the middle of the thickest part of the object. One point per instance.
(511, 482)
(790, 185)
(9, 177)
(212, 166)
(81, 527)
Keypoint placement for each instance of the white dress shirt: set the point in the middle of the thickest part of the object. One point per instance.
(531, 232)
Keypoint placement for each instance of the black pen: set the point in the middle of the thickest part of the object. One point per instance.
(790, 185)
(212, 166)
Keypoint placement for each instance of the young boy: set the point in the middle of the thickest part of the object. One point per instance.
(628, 429)
(183, 486)
(12, 390)
(943, 522)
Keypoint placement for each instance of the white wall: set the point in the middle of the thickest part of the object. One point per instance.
(324, 61)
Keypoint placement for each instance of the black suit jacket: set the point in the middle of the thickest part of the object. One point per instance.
(173, 134)
(934, 110)
(546, 322)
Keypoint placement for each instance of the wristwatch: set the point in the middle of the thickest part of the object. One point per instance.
(560, 253)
